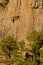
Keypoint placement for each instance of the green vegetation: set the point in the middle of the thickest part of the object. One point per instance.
(9, 48)
(12, 50)
(36, 45)
(3, 4)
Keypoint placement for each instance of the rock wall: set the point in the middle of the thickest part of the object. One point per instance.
(20, 17)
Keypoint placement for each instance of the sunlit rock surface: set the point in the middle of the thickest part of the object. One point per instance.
(20, 17)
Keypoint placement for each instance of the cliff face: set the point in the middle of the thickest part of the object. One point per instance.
(19, 17)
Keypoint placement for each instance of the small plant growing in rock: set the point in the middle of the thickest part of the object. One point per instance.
(37, 44)
(12, 51)
(9, 49)
(4, 3)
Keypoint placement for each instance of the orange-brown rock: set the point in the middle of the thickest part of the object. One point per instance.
(29, 17)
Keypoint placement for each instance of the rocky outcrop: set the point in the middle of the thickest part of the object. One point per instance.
(20, 17)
